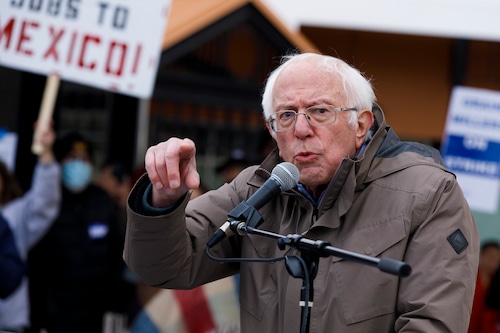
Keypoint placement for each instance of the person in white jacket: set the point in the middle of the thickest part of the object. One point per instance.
(29, 215)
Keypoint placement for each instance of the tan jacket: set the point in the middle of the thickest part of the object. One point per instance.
(395, 202)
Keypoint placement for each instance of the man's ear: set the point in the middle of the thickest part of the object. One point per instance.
(365, 121)
(271, 132)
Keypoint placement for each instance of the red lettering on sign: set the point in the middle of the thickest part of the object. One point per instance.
(135, 65)
(71, 47)
(6, 32)
(56, 36)
(24, 37)
(122, 49)
(86, 40)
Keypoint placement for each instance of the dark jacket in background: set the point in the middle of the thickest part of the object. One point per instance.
(12, 268)
(77, 270)
(493, 294)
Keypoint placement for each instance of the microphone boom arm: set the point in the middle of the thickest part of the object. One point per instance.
(323, 249)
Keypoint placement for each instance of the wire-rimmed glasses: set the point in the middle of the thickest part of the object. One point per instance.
(318, 115)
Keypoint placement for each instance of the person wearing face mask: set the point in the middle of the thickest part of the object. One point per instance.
(77, 267)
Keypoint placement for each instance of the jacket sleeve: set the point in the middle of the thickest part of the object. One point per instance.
(31, 215)
(168, 250)
(12, 267)
(43, 201)
(443, 251)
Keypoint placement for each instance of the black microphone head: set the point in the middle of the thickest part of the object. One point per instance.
(286, 174)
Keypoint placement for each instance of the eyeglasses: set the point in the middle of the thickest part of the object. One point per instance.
(318, 115)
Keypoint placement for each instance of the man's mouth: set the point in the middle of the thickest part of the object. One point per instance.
(306, 156)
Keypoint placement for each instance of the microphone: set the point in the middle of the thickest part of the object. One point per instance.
(284, 177)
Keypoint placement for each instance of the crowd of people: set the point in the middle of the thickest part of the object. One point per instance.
(62, 244)
(66, 234)
(127, 251)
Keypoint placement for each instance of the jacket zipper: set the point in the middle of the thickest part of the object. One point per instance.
(314, 216)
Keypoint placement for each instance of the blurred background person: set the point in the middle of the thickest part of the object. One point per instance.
(116, 180)
(29, 216)
(77, 268)
(493, 296)
(233, 165)
(239, 159)
(484, 319)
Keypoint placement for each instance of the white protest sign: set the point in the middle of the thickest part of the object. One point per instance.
(8, 146)
(471, 145)
(110, 44)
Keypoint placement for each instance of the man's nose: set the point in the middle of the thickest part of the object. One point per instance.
(301, 123)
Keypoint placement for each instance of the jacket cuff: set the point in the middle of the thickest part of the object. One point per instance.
(140, 199)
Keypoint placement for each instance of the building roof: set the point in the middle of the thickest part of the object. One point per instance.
(187, 17)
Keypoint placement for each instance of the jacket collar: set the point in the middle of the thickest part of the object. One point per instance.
(341, 191)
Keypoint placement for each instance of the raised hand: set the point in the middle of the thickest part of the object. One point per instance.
(171, 167)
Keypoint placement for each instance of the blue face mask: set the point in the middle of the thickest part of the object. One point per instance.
(76, 175)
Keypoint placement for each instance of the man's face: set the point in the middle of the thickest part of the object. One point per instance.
(316, 151)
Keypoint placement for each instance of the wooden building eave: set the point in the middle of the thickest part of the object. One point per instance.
(187, 17)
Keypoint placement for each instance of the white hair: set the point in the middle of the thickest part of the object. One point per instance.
(358, 90)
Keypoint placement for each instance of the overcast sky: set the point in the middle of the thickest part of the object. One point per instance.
(469, 19)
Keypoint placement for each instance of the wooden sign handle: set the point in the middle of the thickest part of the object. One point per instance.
(46, 110)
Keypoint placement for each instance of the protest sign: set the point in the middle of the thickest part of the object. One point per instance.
(471, 146)
(112, 45)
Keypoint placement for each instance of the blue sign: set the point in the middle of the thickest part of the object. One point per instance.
(472, 155)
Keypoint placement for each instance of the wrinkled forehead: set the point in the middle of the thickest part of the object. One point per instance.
(307, 80)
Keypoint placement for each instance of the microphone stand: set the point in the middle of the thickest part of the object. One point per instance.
(306, 265)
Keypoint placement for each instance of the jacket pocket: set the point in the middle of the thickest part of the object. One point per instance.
(364, 291)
